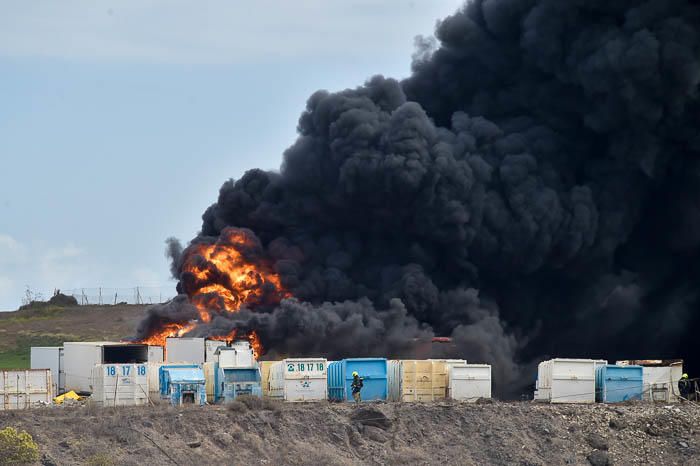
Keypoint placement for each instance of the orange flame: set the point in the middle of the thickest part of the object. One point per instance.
(172, 329)
(221, 278)
(224, 276)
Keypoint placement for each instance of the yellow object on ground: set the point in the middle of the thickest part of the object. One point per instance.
(71, 395)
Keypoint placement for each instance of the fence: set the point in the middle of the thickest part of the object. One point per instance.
(136, 295)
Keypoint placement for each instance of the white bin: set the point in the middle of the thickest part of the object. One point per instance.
(566, 380)
(210, 347)
(299, 379)
(22, 389)
(469, 382)
(119, 385)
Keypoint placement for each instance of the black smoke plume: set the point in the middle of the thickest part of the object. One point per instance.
(533, 188)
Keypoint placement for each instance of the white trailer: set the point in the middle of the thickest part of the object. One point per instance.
(80, 357)
(50, 357)
(185, 350)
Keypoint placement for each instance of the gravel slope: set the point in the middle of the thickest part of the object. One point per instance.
(266, 432)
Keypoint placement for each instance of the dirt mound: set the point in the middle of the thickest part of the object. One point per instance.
(377, 433)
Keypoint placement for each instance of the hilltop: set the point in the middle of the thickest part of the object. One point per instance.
(50, 325)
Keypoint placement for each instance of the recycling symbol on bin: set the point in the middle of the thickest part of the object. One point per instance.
(304, 384)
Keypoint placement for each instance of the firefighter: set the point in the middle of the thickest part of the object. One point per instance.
(356, 387)
(684, 387)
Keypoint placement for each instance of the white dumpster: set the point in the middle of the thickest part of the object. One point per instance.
(299, 379)
(469, 382)
(566, 380)
(22, 389)
(119, 385)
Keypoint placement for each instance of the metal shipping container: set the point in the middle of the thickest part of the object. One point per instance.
(50, 357)
(299, 379)
(185, 350)
(615, 384)
(374, 378)
(210, 347)
(417, 380)
(80, 357)
(155, 353)
(119, 385)
(239, 355)
(660, 378)
(22, 389)
(566, 380)
(469, 382)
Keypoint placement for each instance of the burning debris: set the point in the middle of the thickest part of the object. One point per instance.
(536, 175)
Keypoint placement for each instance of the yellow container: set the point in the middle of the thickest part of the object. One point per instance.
(265, 376)
(419, 380)
(210, 369)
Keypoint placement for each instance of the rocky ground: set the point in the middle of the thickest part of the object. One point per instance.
(267, 432)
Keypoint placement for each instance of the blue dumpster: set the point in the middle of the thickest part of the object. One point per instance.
(372, 371)
(615, 384)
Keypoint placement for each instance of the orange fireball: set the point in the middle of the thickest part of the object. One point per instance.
(222, 277)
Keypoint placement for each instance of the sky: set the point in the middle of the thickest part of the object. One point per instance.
(120, 120)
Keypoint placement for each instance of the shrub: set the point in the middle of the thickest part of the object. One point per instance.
(100, 459)
(17, 447)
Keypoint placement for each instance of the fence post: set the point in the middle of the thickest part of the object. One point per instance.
(100, 296)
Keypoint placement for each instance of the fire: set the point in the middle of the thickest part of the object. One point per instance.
(223, 277)
(252, 338)
(172, 329)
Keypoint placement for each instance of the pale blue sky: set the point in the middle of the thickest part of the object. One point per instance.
(119, 120)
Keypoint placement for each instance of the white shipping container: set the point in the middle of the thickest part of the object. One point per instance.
(299, 379)
(81, 356)
(185, 350)
(210, 347)
(49, 357)
(469, 382)
(119, 385)
(78, 360)
(22, 389)
(239, 355)
(155, 354)
(566, 380)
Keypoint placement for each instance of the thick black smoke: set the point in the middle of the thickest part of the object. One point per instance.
(543, 152)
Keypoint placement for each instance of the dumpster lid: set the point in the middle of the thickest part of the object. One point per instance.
(185, 375)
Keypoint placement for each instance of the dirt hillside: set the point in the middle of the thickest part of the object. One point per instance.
(266, 432)
(52, 325)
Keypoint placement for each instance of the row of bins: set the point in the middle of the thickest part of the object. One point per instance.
(309, 379)
(563, 380)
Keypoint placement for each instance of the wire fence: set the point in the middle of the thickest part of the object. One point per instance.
(114, 296)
